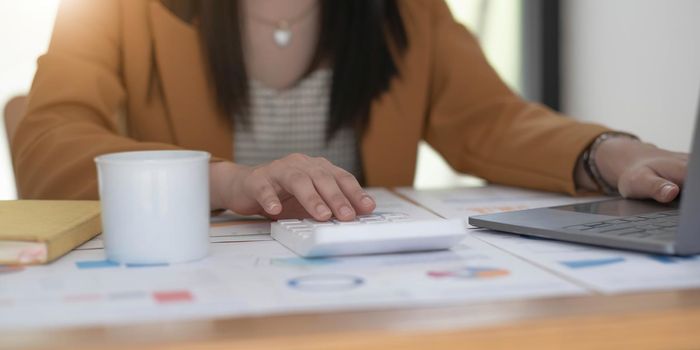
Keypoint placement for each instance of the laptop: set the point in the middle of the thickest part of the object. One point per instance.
(642, 225)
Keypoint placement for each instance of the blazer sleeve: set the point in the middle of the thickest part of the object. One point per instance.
(72, 108)
(481, 127)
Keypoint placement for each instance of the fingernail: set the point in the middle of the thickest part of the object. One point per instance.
(323, 210)
(272, 207)
(367, 201)
(346, 211)
(666, 190)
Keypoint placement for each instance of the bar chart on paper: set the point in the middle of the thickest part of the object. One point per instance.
(605, 270)
(260, 276)
(471, 272)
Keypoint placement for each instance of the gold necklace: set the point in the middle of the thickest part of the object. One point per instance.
(282, 34)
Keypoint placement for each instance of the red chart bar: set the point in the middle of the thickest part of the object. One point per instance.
(175, 296)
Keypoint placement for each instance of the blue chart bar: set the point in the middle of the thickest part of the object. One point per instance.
(96, 264)
(325, 282)
(103, 264)
(582, 264)
(665, 259)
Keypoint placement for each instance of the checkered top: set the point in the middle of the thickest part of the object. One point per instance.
(294, 121)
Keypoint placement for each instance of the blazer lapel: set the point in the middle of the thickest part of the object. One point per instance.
(397, 118)
(195, 118)
(390, 144)
(388, 147)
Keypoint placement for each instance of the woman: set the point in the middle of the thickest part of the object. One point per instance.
(299, 100)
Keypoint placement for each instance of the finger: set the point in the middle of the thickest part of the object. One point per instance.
(264, 193)
(681, 155)
(328, 188)
(645, 183)
(674, 170)
(292, 210)
(300, 185)
(363, 202)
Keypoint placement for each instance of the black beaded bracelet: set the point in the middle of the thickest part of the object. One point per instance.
(590, 166)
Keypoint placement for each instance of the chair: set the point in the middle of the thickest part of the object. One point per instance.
(14, 111)
(13, 114)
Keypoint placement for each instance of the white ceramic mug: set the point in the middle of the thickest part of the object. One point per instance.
(155, 206)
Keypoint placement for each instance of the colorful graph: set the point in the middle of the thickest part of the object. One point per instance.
(470, 273)
(589, 263)
(325, 282)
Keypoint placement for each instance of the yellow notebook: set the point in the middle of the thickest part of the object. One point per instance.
(39, 231)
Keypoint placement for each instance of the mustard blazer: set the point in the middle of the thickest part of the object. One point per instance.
(129, 75)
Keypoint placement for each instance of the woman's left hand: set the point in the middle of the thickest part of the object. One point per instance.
(641, 170)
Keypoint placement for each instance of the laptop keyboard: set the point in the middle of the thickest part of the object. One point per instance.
(657, 226)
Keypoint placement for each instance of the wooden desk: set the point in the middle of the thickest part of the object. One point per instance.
(663, 320)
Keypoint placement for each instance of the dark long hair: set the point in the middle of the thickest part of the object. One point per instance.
(360, 38)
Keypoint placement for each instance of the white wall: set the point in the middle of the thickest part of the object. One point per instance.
(25, 28)
(499, 21)
(634, 65)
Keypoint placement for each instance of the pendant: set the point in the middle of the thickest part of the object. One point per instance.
(282, 37)
(282, 34)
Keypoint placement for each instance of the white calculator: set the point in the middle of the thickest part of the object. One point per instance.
(367, 234)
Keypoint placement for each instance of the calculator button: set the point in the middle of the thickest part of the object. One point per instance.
(296, 226)
(394, 216)
(344, 223)
(304, 234)
(366, 217)
(315, 223)
(400, 219)
(370, 220)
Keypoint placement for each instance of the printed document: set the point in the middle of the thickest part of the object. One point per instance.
(255, 275)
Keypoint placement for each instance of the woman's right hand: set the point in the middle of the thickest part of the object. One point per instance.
(296, 186)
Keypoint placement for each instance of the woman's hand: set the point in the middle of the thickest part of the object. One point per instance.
(295, 186)
(641, 170)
